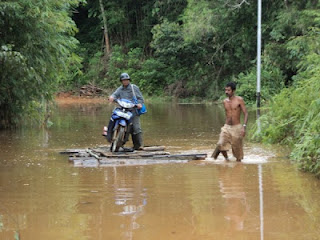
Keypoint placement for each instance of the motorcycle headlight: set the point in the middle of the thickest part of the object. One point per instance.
(126, 115)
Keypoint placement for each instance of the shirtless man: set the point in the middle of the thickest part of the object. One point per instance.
(232, 133)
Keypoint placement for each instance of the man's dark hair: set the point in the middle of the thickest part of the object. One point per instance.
(232, 85)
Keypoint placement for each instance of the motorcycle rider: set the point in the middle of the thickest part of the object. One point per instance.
(125, 92)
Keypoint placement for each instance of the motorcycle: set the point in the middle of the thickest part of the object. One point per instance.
(120, 125)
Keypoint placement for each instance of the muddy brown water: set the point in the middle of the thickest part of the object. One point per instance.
(42, 196)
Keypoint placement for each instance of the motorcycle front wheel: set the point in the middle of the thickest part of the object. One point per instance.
(118, 137)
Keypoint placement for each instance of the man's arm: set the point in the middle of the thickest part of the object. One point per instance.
(244, 110)
(115, 95)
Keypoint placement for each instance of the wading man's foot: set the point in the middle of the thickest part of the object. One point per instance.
(215, 153)
(225, 154)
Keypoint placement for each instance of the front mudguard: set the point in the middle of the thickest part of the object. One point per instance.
(123, 122)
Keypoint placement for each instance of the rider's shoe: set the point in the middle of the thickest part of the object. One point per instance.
(128, 149)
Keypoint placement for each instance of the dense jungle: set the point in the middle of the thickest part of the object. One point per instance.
(182, 49)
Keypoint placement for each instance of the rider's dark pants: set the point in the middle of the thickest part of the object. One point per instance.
(136, 124)
(137, 132)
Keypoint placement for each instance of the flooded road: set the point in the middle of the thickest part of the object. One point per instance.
(42, 196)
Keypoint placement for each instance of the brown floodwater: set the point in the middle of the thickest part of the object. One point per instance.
(44, 197)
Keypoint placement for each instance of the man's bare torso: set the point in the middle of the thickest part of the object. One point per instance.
(233, 109)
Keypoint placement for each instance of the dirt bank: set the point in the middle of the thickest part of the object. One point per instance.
(70, 99)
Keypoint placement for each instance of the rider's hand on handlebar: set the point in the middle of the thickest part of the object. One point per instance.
(111, 99)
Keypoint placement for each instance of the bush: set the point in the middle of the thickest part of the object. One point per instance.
(271, 84)
(293, 119)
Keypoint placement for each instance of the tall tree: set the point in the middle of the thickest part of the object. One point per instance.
(105, 28)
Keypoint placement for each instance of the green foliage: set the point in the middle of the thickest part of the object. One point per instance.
(117, 64)
(289, 43)
(36, 53)
(13, 69)
(225, 34)
(294, 114)
(94, 67)
(151, 76)
(167, 41)
(187, 69)
(197, 26)
(307, 148)
(148, 74)
(203, 44)
(168, 9)
(192, 48)
(271, 84)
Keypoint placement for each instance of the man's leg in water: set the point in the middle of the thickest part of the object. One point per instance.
(237, 150)
(215, 153)
(237, 143)
(225, 154)
(223, 144)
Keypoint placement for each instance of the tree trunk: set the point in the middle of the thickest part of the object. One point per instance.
(105, 29)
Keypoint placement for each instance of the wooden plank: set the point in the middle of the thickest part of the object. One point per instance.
(69, 151)
(153, 148)
(102, 156)
(77, 162)
(200, 156)
(106, 149)
(101, 149)
(133, 162)
(86, 162)
(90, 163)
(153, 154)
(81, 154)
(156, 155)
(93, 154)
(132, 155)
(160, 156)
(146, 148)
(72, 158)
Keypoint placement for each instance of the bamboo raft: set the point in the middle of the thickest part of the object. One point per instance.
(101, 156)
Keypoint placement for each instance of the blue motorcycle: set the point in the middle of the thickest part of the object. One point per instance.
(120, 125)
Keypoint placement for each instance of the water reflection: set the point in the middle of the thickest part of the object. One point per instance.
(232, 187)
(261, 201)
(133, 198)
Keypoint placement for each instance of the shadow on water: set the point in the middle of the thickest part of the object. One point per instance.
(42, 196)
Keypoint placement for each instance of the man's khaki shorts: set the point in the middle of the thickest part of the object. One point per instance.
(230, 136)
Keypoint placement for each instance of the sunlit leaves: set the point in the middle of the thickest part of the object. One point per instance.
(199, 20)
